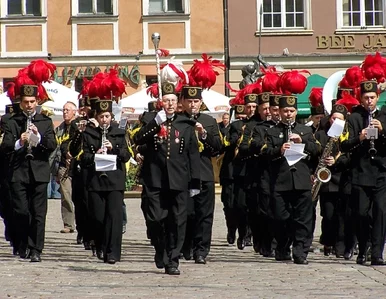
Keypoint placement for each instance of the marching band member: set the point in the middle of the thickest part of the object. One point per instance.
(329, 191)
(171, 161)
(106, 189)
(366, 138)
(290, 185)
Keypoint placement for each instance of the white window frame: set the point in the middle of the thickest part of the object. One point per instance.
(166, 17)
(307, 30)
(94, 7)
(358, 29)
(165, 6)
(93, 18)
(20, 20)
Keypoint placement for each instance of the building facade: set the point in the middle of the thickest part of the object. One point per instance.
(322, 37)
(82, 37)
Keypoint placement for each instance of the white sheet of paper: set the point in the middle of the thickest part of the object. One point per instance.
(105, 162)
(33, 139)
(293, 156)
(297, 147)
(337, 128)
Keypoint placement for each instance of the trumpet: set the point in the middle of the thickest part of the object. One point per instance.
(371, 134)
(104, 149)
(29, 154)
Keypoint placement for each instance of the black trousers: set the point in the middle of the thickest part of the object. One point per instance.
(6, 208)
(166, 219)
(370, 210)
(293, 221)
(263, 221)
(106, 210)
(346, 232)
(29, 206)
(228, 203)
(240, 206)
(329, 206)
(200, 220)
(79, 198)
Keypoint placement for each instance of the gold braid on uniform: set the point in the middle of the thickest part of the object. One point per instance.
(200, 146)
(344, 136)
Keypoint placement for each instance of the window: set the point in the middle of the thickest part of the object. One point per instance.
(162, 6)
(363, 13)
(24, 8)
(283, 14)
(95, 7)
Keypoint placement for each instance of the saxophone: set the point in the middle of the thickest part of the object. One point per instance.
(322, 173)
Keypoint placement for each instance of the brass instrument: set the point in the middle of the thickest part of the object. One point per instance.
(322, 173)
(104, 149)
(371, 134)
(289, 129)
(29, 154)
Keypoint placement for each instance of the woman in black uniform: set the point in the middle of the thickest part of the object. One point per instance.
(106, 188)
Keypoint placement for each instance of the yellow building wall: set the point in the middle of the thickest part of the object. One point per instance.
(130, 27)
(95, 37)
(59, 27)
(24, 38)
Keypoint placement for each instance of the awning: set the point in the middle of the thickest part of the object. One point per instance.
(303, 102)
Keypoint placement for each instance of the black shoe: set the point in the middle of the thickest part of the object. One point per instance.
(172, 271)
(361, 259)
(248, 241)
(79, 239)
(15, 251)
(87, 246)
(111, 260)
(268, 253)
(231, 238)
(158, 259)
(99, 254)
(300, 261)
(123, 228)
(348, 255)
(282, 256)
(256, 247)
(24, 253)
(187, 253)
(200, 260)
(327, 250)
(35, 257)
(93, 249)
(378, 262)
(240, 243)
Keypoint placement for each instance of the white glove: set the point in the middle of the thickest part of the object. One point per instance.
(160, 118)
(194, 192)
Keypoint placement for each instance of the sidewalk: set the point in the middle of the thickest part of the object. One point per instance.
(68, 271)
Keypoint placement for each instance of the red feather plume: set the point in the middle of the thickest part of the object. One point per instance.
(293, 82)
(349, 101)
(153, 91)
(352, 78)
(374, 67)
(163, 52)
(316, 96)
(41, 71)
(112, 86)
(85, 87)
(255, 88)
(203, 74)
(94, 89)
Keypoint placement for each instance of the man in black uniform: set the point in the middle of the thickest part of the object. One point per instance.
(366, 143)
(171, 161)
(201, 206)
(29, 172)
(291, 185)
(226, 174)
(259, 213)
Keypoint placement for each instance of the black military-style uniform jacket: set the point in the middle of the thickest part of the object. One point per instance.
(212, 144)
(231, 143)
(364, 169)
(21, 168)
(92, 142)
(336, 168)
(258, 165)
(282, 176)
(173, 161)
(4, 157)
(239, 165)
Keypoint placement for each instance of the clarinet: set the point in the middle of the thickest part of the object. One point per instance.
(29, 154)
(372, 134)
(104, 149)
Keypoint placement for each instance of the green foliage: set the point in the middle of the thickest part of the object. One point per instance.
(130, 177)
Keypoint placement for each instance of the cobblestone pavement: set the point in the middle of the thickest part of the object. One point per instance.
(69, 271)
